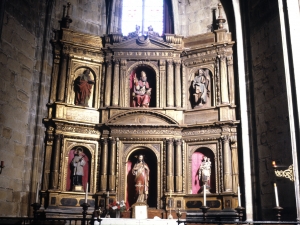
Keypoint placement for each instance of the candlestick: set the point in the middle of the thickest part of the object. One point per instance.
(37, 193)
(204, 195)
(276, 195)
(239, 196)
(86, 192)
(2, 163)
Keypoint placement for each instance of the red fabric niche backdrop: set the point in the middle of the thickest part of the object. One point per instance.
(197, 158)
(86, 167)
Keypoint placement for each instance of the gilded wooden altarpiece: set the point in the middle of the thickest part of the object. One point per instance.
(173, 128)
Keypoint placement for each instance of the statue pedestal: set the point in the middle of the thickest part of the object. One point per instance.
(77, 188)
(140, 210)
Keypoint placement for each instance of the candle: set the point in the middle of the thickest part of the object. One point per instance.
(170, 193)
(273, 163)
(204, 195)
(170, 203)
(37, 193)
(276, 195)
(86, 192)
(108, 194)
(239, 195)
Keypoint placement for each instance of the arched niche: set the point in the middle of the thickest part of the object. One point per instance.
(86, 155)
(208, 85)
(153, 162)
(90, 86)
(152, 78)
(196, 161)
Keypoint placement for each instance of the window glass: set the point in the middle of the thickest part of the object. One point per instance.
(132, 15)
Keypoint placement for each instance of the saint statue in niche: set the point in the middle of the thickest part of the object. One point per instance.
(77, 164)
(141, 172)
(205, 173)
(83, 88)
(201, 87)
(141, 91)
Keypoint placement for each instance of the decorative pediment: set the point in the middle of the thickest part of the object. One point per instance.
(141, 118)
(143, 42)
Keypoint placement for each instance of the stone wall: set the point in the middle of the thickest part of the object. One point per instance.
(196, 17)
(24, 81)
(269, 114)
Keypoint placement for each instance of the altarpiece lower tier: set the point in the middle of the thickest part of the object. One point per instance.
(169, 99)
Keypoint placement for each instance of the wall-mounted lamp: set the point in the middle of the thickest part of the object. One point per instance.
(1, 166)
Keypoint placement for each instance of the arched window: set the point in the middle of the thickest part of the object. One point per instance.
(145, 13)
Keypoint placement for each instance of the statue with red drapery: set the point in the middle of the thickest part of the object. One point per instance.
(83, 88)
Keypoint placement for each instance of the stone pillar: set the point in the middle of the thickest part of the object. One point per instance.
(224, 80)
(116, 84)
(178, 86)
(235, 163)
(62, 77)
(227, 164)
(55, 161)
(170, 83)
(103, 170)
(162, 86)
(231, 79)
(112, 165)
(178, 166)
(108, 84)
(170, 165)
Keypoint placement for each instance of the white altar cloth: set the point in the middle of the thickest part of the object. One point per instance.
(127, 221)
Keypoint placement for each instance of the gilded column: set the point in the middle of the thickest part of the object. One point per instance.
(224, 80)
(124, 85)
(178, 86)
(62, 77)
(235, 164)
(170, 165)
(55, 71)
(231, 79)
(56, 159)
(104, 160)
(178, 166)
(184, 86)
(227, 164)
(162, 89)
(48, 154)
(112, 165)
(108, 84)
(116, 84)
(170, 84)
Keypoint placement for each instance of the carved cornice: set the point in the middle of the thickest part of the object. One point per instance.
(145, 131)
(76, 129)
